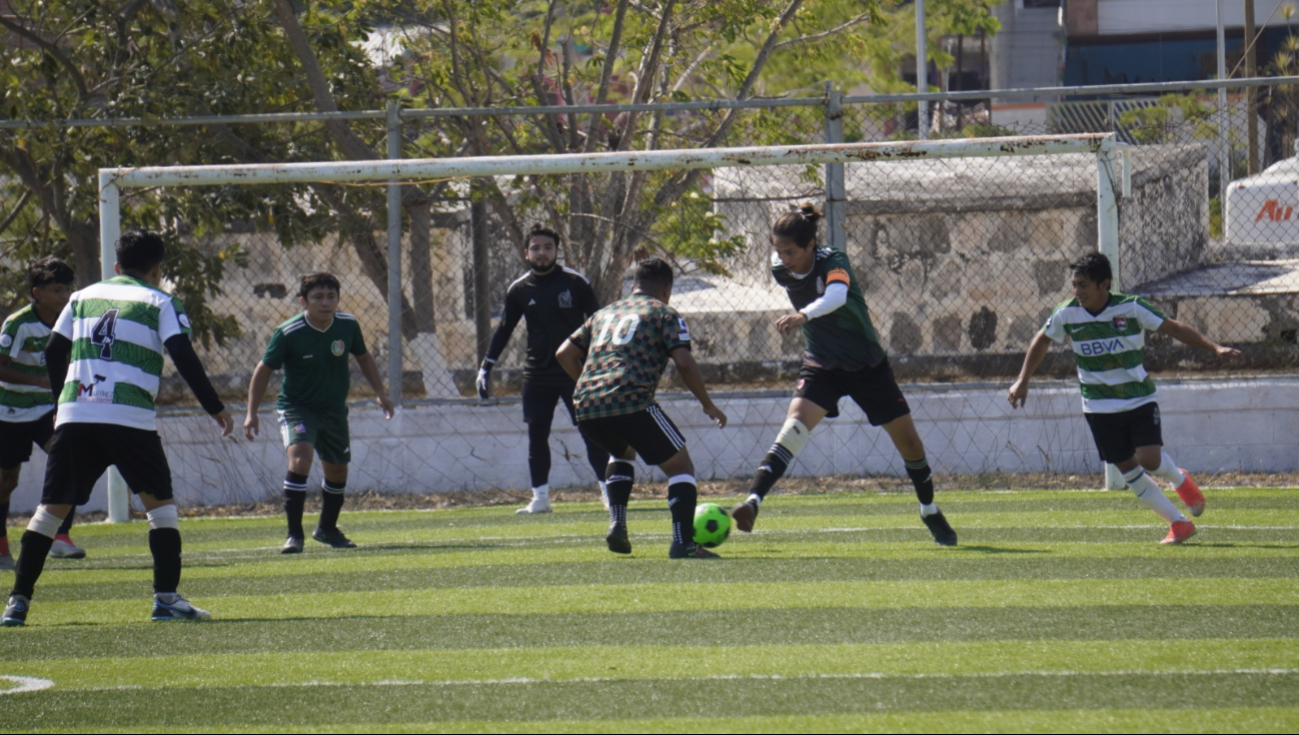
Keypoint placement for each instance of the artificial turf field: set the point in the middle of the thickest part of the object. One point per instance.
(1058, 612)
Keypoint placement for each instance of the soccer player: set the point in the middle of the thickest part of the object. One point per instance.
(104, 360)
(313, 349)
(26, 401)
(842, 357)
(555, 300)
(1108, 334)
(619, 355)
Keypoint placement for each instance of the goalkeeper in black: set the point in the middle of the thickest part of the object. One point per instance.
(555, 301)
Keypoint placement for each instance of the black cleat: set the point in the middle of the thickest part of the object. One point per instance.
(333, 537)
(691, 550)
(292, 545)
(940, 528)
(744, 515)
(617, 539)
(16, 611)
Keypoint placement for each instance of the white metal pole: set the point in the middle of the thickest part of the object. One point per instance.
(1107, 235)
(1224, 116)
(834, 172)
(110, 228)
(394, 261)
(922, 71)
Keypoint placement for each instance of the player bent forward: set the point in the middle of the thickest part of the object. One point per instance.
(617, 358)
(312, 348)
(1108, 334)
(104, 360)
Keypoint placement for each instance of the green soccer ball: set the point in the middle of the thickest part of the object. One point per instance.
(712, 525)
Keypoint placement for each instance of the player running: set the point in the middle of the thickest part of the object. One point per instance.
(1108, 334)
(26, 401)
(312, 347)
(842, 357)
(619, 355)
(105, 359)
(555, 301)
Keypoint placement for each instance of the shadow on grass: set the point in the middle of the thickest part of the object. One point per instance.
(1290, 547)
(999, 550)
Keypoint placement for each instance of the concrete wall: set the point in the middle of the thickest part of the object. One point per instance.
(1208, 427)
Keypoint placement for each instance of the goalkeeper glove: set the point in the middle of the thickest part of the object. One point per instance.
(484, 381)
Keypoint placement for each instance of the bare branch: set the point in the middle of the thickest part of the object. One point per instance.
(611, 57)
(824, 34)
(18, 208)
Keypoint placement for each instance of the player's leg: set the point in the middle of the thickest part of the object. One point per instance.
(812, 402)
(8, 483)
(64, 547)
(1116, 436)
(16, 439)
(620, 473)
(595, 454)
(902, 431)
(659, 442)
(1157, 462)
(331, 504)
(298, 430)
(538, 413)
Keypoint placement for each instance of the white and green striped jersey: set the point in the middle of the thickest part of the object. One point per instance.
(117, 328)
(1110, 349)
(22, 339)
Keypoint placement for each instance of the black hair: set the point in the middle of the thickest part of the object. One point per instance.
(799, 225)
(544, 232)
(654, 273)
(318, 280)
(49, 269)
(1095, 267)
(139, 250)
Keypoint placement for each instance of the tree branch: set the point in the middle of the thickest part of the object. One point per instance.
(83, 92)
(824, 34)
(606, 74)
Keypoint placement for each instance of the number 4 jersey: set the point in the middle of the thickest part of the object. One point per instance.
(627, 345)
(117, 328)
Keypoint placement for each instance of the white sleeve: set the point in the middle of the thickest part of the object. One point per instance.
(836, 295)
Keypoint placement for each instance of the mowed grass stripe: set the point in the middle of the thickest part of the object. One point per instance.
(534, 703)
(1216, 720)
(662, 597)
(399, 576)
(696, 628)
(661, 662)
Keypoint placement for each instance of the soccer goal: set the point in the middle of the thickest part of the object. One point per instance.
(960, 245)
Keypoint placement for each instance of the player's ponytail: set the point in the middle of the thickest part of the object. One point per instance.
(799, 225)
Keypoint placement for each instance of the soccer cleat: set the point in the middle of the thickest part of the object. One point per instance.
(617, 539)
(292, 545)
(15, 612)
(1178, 532)
(940, 528)
(180, 609)
(744, 515)
(1190, 494)
(333, 537)
(7, 562)
(536, 506)
(691, 550)
(63, 548)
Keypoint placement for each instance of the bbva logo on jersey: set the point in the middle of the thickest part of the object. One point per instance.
(1100, 347)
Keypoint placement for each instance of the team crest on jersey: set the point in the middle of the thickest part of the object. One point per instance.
(337, 348)
(820, 284)
(684, 333)
(6, 341)
(1121, 323)
(566, 300)
(300, 428)
(184, 321)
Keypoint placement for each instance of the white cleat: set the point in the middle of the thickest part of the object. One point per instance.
(536, 506)
(63, 548)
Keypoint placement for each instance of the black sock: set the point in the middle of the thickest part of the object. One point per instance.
(921, 476)
(682, 497)
(164, 544)
(620, 475)
(295, 497)
(33, 550)
(331, 503)
(539, 453)
(771, 469)
(67, 523)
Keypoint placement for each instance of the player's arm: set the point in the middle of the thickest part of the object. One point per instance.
(58, 355)
(11, 375)
(835, 296)
(1188, 335)
(191, 369)
(256, 389)
(500, 338)
(570, 357)
(1037, 350)
(688, 369)
(371, 372)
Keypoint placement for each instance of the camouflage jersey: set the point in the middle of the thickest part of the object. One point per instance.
(844, 339)
(627, 345)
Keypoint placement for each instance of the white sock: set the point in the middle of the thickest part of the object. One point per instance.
(1149, 493)
(541, 493)
(1168, 471)
(755, 498)
(928, 509)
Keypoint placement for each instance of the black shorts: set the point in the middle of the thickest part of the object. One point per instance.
(16, 439)
(872, 388)
(1117, 435)
(540, 397)
(650, 432)
(81, 453)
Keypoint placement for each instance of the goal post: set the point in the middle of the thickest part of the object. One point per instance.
(113, 180)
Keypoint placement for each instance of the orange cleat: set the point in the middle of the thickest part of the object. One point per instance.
(1190, 494)
(1179, 532)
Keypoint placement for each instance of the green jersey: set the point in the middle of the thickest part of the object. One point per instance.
(315, 362)
(627, 345)
(844, 339)
(1110, 349)
(22, 339)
